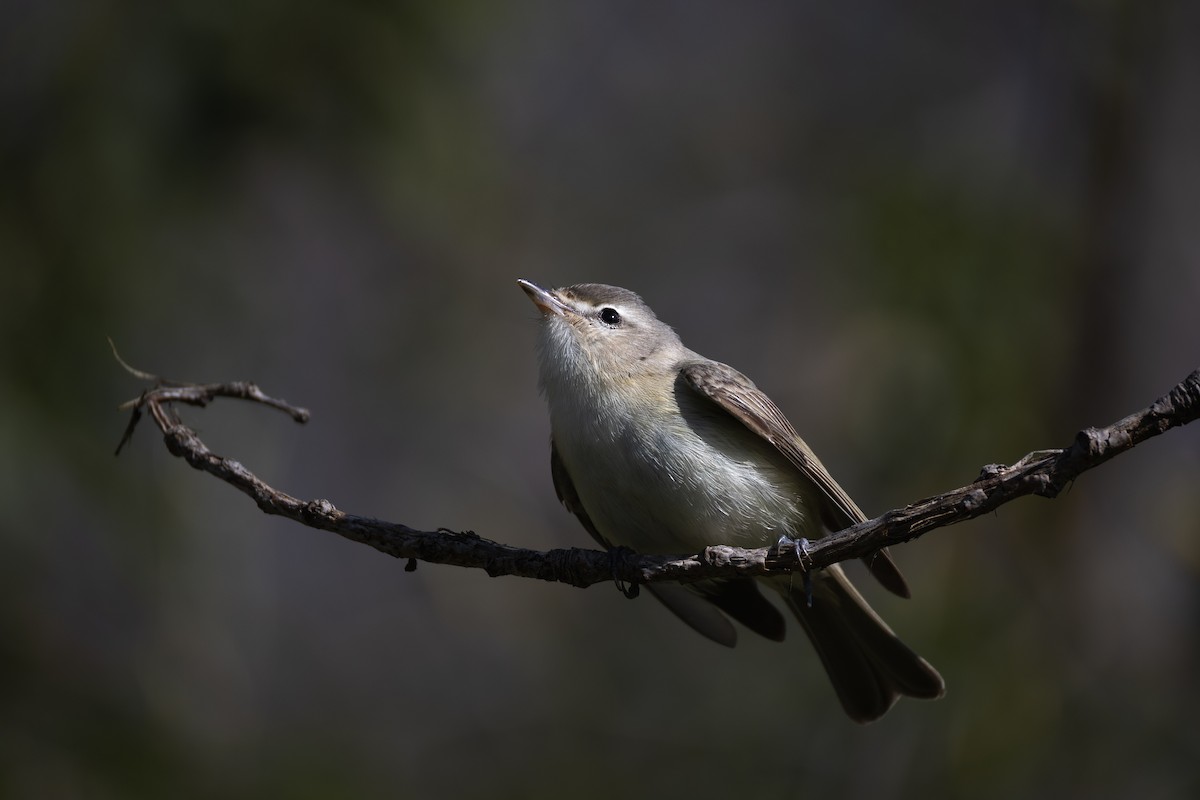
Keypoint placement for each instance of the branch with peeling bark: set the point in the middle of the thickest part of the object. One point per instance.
(1044, 473)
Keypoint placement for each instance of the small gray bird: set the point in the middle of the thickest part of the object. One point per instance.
(656, 448)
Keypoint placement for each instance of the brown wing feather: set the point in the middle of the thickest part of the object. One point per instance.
(737, 395)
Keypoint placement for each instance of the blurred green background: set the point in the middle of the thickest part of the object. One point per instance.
(939, 236)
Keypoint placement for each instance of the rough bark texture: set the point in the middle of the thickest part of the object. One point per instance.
(1043, 472)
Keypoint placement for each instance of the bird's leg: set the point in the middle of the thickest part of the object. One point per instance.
(800, 548)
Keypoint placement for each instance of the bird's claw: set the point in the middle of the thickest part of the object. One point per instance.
(800, 548)
(615, 556)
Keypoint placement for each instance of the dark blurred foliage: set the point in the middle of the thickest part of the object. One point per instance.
(939, 235)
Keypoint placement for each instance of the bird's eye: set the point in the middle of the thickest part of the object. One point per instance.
(609, 316)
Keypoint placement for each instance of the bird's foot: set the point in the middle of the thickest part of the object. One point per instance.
(800, 548)
(616, 555)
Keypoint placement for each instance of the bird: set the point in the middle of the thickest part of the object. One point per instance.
(659, 450)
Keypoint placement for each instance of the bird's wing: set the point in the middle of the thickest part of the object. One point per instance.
(564, 487)
(703, 617)
(740, 398)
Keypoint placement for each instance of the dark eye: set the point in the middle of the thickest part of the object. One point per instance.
(609, 316)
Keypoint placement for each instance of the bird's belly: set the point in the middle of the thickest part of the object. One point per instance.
(681, 494)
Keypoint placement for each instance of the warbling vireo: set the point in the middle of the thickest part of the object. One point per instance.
(656, 448)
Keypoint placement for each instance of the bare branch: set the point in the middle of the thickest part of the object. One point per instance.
(1044, 473)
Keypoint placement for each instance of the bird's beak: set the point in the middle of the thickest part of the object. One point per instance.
(546, 301)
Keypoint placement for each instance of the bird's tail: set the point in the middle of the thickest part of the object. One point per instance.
(868, 664)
